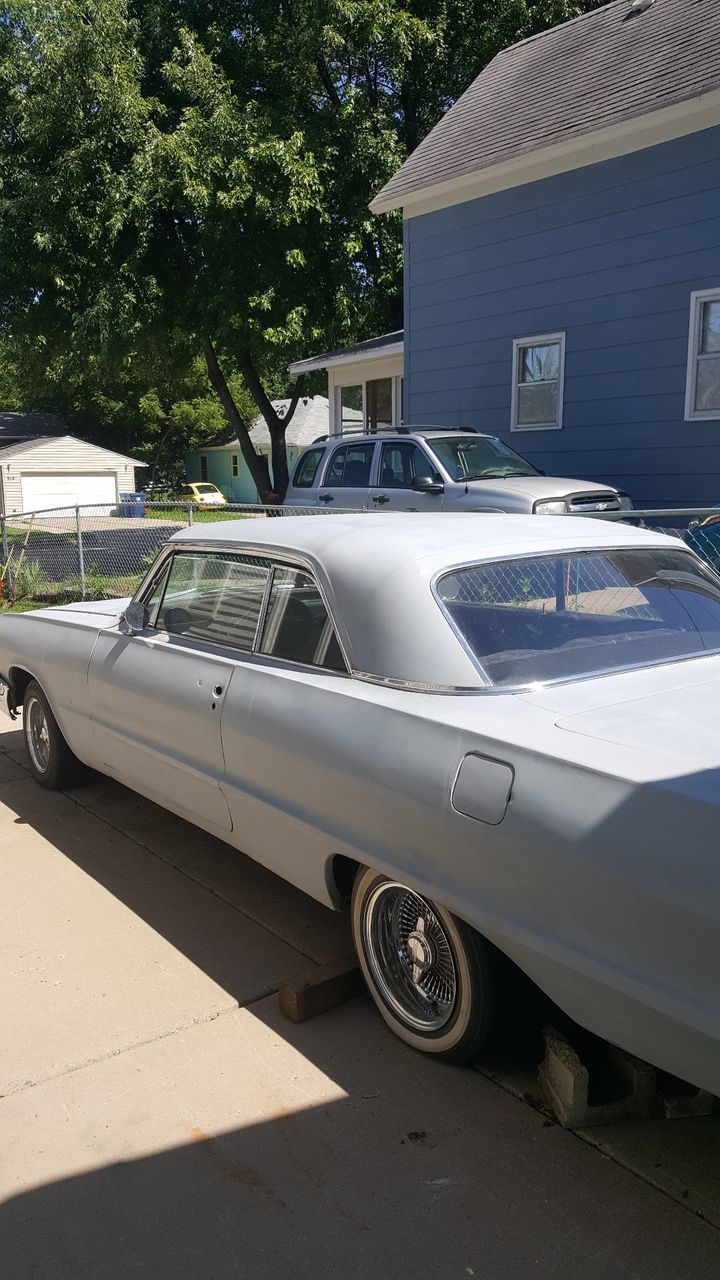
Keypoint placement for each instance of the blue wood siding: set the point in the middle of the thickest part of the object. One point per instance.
(609, 255)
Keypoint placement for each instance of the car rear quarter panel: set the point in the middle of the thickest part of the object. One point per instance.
(600, 885)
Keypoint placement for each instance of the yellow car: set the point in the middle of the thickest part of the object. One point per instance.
(208, 495)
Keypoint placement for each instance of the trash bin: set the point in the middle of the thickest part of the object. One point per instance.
(132, 504)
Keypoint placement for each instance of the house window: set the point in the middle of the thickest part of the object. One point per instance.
(351, 408)
(203, 467)
(378, 404)
(235, 466)
(538, 373)
(702, 394)
(375, 404)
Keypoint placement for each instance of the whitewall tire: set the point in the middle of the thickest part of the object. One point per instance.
(431, 976)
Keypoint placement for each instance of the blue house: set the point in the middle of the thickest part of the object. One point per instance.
(562, 253)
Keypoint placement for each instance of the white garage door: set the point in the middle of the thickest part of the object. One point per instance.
(40, 492)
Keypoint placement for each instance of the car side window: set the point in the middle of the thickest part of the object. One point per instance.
(297, 625)
(400, 463)
(306, 469)
(350, 467)
(215, 597)
(153, 601)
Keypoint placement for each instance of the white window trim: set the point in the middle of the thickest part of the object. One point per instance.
(396, 402)
(696, 300)
(537, 340)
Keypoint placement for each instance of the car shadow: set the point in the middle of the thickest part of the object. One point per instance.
(409, 1169)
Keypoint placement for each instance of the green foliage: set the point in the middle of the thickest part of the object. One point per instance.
(179, 171)
(28, 581)
(96, 584)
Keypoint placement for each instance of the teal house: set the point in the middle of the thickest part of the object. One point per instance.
(223, 464)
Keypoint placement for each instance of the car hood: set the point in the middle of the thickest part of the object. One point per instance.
(537, 487)
(105, 608)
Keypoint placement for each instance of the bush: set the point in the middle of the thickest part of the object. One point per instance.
(29, 580)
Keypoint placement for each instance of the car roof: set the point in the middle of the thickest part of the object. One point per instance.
(376, 570)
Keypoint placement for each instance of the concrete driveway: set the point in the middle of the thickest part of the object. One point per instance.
(160, 1118)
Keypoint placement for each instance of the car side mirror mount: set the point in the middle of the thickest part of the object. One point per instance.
(426, 484)
(135, 618)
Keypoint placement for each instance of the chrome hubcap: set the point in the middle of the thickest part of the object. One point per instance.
(410, 957)
(37, 735)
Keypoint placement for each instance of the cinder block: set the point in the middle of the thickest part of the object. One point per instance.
(678, 1100)
(319, 989)
(623, 1086)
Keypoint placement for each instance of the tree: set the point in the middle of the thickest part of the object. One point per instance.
(184, 179)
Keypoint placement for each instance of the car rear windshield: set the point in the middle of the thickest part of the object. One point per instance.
(206, 488)
(479, 458)
(566, 617)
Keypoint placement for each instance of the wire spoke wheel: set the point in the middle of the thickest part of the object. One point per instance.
(37, 734)
(52, 763)
(411, 956)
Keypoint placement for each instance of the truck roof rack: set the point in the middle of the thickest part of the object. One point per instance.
(393, 431)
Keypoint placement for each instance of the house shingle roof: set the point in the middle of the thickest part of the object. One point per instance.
(603, 68)
(28, 426)
(371, 347)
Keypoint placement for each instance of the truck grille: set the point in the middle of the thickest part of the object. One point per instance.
(586, 503)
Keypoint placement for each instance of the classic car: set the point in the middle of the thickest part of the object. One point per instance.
(202, 493)
(493, 739)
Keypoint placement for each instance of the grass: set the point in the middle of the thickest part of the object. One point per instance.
(97, 587)
(200, 515)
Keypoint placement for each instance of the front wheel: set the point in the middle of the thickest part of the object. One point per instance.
(431, 976)
(52, 763)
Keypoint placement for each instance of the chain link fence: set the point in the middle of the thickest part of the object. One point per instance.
(96, 552)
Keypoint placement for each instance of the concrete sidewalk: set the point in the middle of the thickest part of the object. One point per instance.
(160, 1118)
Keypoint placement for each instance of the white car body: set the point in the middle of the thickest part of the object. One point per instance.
(573, 822)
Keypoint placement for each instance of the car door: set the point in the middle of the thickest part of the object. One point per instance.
(346, 480)
(400, 463)
(156, 697)
(277, 763)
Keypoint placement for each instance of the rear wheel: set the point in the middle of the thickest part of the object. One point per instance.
(431, 976)
(52, 763)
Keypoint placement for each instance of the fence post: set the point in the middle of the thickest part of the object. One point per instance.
(190, 514)
(81, 557)
(5, 550)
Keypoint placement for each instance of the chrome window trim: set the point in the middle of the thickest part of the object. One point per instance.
(155, 572)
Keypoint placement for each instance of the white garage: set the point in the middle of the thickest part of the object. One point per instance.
(59, 472)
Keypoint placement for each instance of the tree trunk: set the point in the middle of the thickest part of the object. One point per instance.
(257, 465)
(277, 426)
